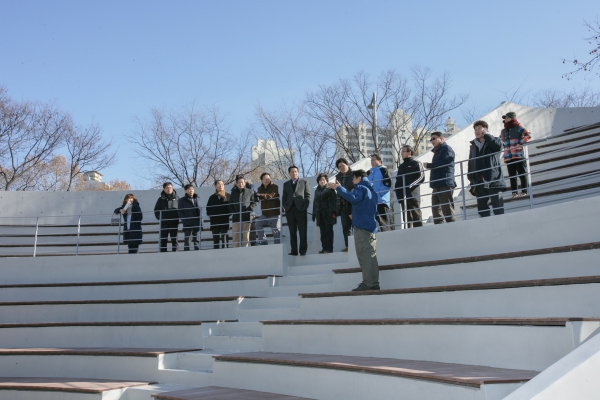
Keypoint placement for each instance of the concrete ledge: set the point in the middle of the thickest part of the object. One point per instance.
(91, 351)
(126, 301)
(65, 384)
(435, 321)
(218, 393)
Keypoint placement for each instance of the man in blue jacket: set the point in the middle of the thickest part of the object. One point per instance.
(441, 180)
(364, 209)
(381, 184)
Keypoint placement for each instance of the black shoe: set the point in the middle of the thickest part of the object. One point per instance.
(196, 247)
(292, 254)
(322, 252)
(360, 288)
(376, 287)
(302, 254)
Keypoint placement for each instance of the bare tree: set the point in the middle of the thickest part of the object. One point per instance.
(291, 139)
(594, 61)
(115, 184)
(87, 151)
(193, 145)
(30, 133)
(584, 96)
(53, 175)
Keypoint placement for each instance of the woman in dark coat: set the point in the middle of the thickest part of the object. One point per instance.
(132, 223)
(324, 212)
(218, 210)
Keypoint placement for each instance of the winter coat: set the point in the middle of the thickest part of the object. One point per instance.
(189, 212)
(298, 196)
(217, 208)
(346, 181)
(410, 185)
(168, 205)
(133, 234)
(244, 202)
(381, 181)
(442, 167)
(324, 206)
(486, 169)
(513, 140)
(269, 200)
(364, 205)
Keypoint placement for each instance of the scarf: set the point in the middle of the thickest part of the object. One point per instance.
(511, 124)
(221, 194)
(478, 144)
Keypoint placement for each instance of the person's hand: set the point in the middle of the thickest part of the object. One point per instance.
(122, 211)
(424, 165)
(334, 185)
(350, 216)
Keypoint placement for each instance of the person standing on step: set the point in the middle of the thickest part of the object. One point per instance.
(441, 180)
(217, 208)
(189, 213)
(344, 177)
(408, 182)
(132, 222)
(296, 198)
(513, 137)
(324, 212)
(242, 202)
(364, 210)
(165, 211)
(268, 192)
(485, 171)
(381, 183)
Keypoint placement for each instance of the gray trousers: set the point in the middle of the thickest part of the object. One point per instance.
(442, 204)
(272, 222)
(366, 246)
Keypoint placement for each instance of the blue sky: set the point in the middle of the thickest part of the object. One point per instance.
(111, 61)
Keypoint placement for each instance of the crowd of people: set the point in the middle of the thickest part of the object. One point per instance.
(360, 198)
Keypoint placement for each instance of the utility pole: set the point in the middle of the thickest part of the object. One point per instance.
(373, 106)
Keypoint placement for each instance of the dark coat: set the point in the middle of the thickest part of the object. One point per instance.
(410, 185)
(244, 202)
(442, 167)
(488, 169)
(300, 197)
(346, 181)
(168, 205)
(134, 234)
(217, 208)
(325, 206)
(269, 198)
(189, 214)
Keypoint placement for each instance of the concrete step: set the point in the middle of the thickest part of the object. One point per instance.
(313, 269)
(270, 302)
(197, 360)
(251, 329)
(145, 392)
(353, 378)
(303, 280)
(233, 343)
(284, 291)
(185, 377)
(151, 335)
(531, 344)
(318, 259)
(262, 314)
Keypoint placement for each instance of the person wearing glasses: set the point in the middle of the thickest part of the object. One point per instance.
(408, 182)
(514, 136)
(441, 180)
(485, 171)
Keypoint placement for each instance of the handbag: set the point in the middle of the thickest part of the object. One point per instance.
(115, 219)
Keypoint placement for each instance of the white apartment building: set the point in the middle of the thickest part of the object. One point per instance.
(267, 157)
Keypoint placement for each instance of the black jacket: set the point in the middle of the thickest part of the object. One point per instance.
(346, 181)
(189, 211)
(168, 205)
(442, 167)
(218, 211)
(324, 206)
(134, 234)
(410, 185)
(486, 169)
(245, 201)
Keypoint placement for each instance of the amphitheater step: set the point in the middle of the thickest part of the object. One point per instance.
(18, 388)
(286, 291)
(185, 377)
(233, 343)
(346, 377)
(522, 343)
(304, 280)
(156, 334)
(233, 328)
(316, 269)
(219, 393)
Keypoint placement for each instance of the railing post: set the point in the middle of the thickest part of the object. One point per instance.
(529, 185)
(240, 223)
(159, 229)
(37, 224)
(119, 240)
(405, 213)
(462, 182)
(78, 232)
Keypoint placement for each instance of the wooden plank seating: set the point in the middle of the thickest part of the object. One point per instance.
(104, 323)
(220, 393)
(92, 351)
(464, 375)
(487, 257)
(477, 286)
(124, 301)
(65, 384)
